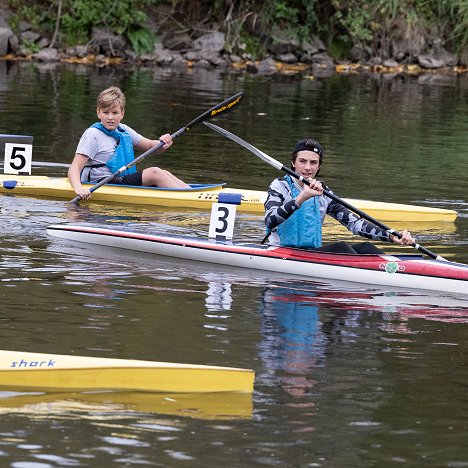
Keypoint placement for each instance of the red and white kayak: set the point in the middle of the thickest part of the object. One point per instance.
(402, 271)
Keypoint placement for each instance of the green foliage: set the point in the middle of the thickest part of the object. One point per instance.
(460, 20)
(339, 23)
(119, 17)
(296, 18)
(283, 13)
(355, 21)
(31, 47)
(38, 14)
(142, 40)
(449, 18)
(14, 22)
(340, 46)
(253, 46)
(78, 17)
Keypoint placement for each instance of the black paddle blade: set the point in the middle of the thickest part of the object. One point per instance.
(221, 108)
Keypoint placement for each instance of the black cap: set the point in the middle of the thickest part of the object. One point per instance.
(309, 144)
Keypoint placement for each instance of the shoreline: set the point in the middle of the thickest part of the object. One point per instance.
(309, 71)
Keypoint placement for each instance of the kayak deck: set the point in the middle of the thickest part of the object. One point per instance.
(22, 370)
(202, 196)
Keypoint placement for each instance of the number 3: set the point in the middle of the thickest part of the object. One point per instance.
(223, 219)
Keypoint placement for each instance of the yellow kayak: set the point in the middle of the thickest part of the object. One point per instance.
(202, 196)
(19, 370)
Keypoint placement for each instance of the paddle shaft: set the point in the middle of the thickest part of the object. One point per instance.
(277, 165)
(223, 107)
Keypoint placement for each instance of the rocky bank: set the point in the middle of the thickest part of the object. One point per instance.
(208, 50)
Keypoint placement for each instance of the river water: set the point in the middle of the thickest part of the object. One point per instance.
(346, 375)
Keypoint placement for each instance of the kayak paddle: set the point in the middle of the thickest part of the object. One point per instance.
(223, 107)
(276, 164)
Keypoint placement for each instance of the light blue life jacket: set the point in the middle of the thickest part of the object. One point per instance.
(303, 229)
(123, 154)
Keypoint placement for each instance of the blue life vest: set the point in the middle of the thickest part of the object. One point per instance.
(123, 154)
(303, 229)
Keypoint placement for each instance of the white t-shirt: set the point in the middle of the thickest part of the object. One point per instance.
(99, 148)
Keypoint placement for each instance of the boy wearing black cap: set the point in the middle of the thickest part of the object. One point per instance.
(294, 212)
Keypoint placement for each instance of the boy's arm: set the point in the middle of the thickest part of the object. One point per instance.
(74, 175)
(145, 144)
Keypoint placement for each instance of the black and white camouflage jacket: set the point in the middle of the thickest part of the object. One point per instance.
(280, 205)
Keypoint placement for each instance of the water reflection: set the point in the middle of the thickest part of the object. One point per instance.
(218, 295)
(292, 342)
(300, 321)
(105, 405)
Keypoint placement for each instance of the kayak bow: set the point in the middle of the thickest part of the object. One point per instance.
(19, 370)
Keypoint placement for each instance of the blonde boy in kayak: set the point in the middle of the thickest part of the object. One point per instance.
(108, 145)
(295, 212)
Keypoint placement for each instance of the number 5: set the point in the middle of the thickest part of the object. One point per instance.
(17, 158)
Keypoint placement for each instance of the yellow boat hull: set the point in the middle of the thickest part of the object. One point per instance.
(56, 372)
(398, 212)
(202, 199)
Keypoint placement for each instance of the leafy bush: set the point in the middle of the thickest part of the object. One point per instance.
(78, 17)
(142, 40)
(253, 46)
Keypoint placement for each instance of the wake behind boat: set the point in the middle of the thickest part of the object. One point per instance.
(202, 196)
(401, 271)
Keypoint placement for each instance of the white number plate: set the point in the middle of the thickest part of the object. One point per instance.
(222, 220)
(18, 159)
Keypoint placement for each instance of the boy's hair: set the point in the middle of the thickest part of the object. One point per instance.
(111, 97)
